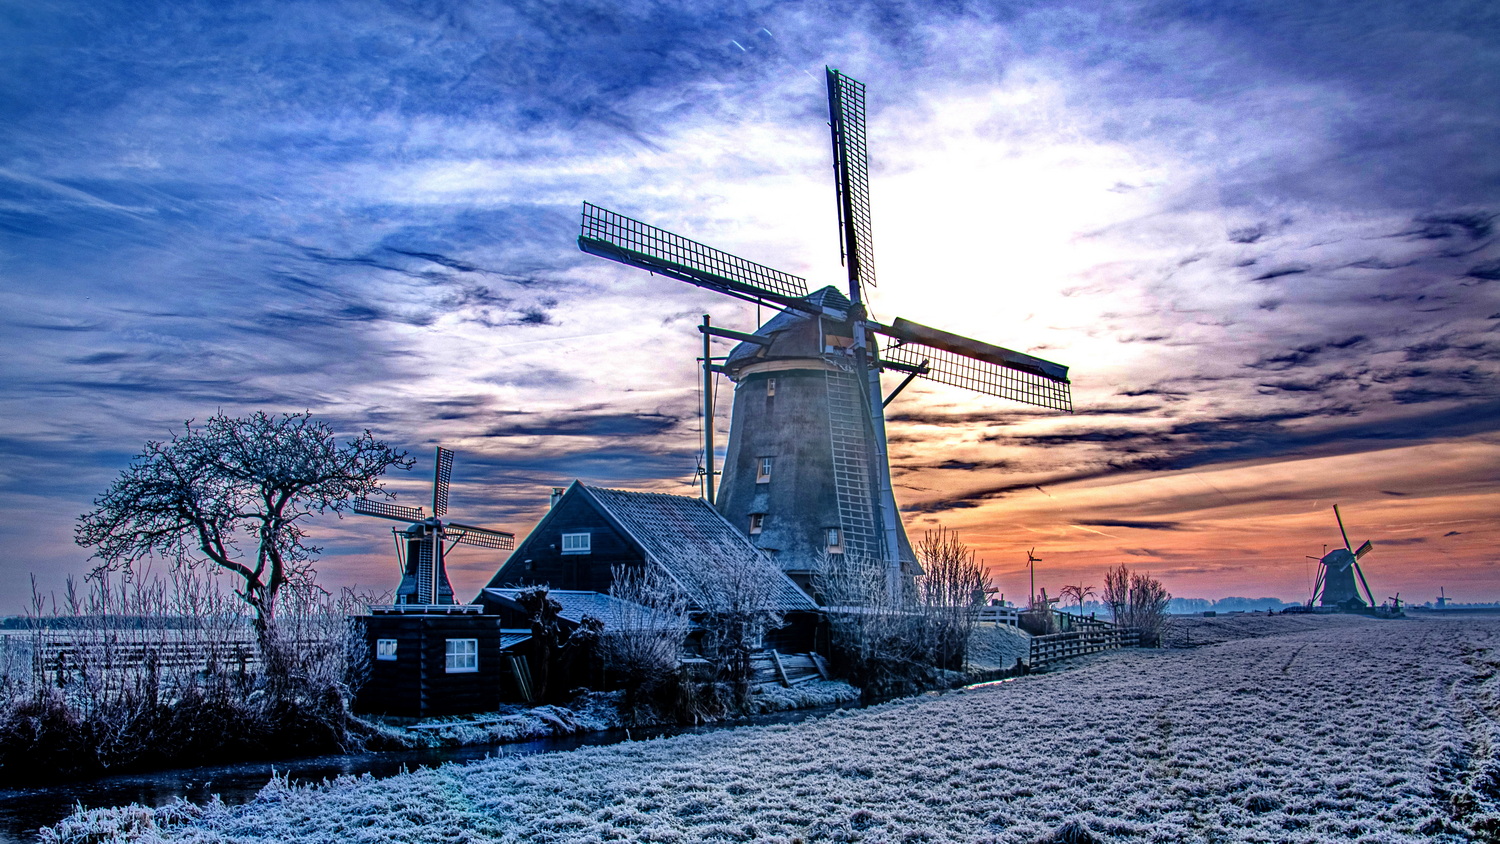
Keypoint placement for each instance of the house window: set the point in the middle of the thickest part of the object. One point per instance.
(770, 386)
(757, 520)
(835, 540)
(385, 648)
(763, 471)
(462, 656)
(576, 543)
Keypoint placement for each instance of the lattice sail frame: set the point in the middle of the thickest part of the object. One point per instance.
(851, 161)
(441, 479)
(620, 238)
(981, 376)
(387, 510)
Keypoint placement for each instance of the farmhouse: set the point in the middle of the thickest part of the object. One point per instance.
(452, 658)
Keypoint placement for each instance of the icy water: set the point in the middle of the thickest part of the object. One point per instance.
(24, 811)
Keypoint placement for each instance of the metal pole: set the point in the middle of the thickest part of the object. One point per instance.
(708, 414)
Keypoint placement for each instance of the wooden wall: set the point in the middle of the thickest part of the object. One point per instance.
(417, 683)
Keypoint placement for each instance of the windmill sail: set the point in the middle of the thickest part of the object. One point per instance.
(440, 481)
(387, 510)
(851, 162)
(482, 537)
(620, 238)
(974, 365)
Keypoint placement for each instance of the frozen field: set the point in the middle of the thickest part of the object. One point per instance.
(1366, 731)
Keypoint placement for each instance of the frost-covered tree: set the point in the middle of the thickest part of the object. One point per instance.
(236, 493)
(1137, 600)
(651, 627)
(951, 591)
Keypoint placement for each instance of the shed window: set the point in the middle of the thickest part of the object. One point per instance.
(462, 656)
(576, 543)
(385, 648)
(770, 386)
(757, 521)
(835, 539)
(763, 471)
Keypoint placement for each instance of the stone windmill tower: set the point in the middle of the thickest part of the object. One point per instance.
(806, 470)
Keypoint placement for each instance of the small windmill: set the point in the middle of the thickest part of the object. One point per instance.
(419, 548)
(1335, 586)
(817, 362)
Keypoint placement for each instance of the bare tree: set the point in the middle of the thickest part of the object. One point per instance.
(1079, 594)
(738, 607)
(1138, 601)
(876, 638)
(951, 592)
(646, 642)
(231, 482)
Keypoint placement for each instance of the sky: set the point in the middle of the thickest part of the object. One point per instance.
(1262, 235)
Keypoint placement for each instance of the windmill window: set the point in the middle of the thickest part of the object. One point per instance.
(385, 648)
(835, 539)
(462, 656)
(770, 386)
(763, 471)
(757, 521)
(576, 543)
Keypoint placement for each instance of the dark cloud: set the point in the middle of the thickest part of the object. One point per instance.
(1132, 523)
(595, 424)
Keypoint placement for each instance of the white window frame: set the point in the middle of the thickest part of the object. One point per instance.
(385, 649)
(763, 466)
(461, 656)
(577, 543)
(757, 522)
(835, 538)
(771, 386)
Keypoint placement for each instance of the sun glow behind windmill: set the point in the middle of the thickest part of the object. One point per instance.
(420, 547)
(830, 336)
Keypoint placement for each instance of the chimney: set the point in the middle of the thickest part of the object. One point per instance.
(557, 494)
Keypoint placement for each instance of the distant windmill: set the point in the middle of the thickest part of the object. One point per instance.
(806, 471)
(1335, 586)
(419, 548)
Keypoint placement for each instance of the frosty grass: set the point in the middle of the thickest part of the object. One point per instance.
(1348, 731)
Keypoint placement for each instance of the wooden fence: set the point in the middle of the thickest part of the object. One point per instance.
(61, 654)
(1058, 646)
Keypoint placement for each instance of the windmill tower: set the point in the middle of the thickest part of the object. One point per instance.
(1335, 586)
(419, 547)
(806, 470)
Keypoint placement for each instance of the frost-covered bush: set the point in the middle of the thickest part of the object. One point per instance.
(166, 671)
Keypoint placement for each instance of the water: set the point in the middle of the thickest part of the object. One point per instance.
(24, 811)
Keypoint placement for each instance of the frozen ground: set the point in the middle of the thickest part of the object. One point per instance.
(1375, 732)
(1195, 631)
(997, 646)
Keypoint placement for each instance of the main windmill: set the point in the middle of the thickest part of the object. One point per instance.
(806, 470)
(1336, 572)
(420, 547)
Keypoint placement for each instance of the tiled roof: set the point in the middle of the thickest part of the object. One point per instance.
(615, 613)
(714, 563)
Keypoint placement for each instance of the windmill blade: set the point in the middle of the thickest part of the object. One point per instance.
(1368, 594)
(984, 368)
(851, 164)
(1364, 549)
(440, 478)
(387, 510)
(483, 537)
(1342, 532)
(620, 238)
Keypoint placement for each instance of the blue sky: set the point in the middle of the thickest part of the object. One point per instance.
(1261, 234)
